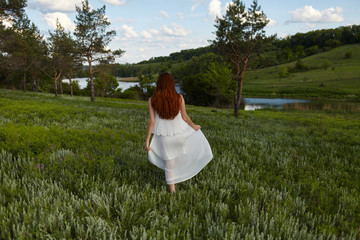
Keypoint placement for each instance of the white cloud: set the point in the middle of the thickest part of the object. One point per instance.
(197, 4)
(193, 7)
(180, 15)
(115, 2)
(214, 9)
(308, 14)
(166, 31)
(55, 5)
(271, 23)
(128, 31)
(150, 34)
(311, 25)
(65, 21)
(164, 14)
(146, 34)
(174, 30)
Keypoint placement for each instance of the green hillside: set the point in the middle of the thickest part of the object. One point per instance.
(341, 78)
(72, 169)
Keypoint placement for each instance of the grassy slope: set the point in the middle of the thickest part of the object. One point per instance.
(341, 79)
(70, 168)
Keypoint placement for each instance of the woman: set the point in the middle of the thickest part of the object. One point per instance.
(178, 145)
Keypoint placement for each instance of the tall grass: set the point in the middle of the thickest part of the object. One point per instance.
(72, 169)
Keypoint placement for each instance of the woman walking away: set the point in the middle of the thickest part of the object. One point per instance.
(178, 145)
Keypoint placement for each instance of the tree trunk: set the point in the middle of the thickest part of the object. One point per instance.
(56, 78)
(70, 81)
(238, 93)
(33, 74)
(55, 85)
(24, 82)
(61, 89)
(37, 82)
(92, 87)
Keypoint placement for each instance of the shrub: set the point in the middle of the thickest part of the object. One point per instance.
(326, 64)
(283, 72)
(348, 55)
(134, 93)
(215, 87)
(300, 65)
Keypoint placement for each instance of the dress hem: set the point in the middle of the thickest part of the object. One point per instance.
(193, 175)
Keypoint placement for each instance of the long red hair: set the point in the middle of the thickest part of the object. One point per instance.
(165, 100)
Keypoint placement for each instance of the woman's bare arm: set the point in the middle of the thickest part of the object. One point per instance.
(150, 126)
(185, 116)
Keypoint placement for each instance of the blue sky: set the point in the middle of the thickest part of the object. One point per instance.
(150, 28)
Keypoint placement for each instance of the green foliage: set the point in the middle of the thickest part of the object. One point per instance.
(105, 85)
(283, 72)
(312, 50)
(326, 64)
(148, 85)
(134, 93)
(12, 8)
(215, 87)
(300, 65)
(72, 169)
(348, 55)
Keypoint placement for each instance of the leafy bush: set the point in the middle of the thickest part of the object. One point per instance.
(215, 87)
(326, 64)
(283, 72)
(348, 55)
(134, 93)
(300, 65)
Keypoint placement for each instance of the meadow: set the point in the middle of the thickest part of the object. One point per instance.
(72, 169)
(329, 75)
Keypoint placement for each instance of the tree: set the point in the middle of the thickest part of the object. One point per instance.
(93, 39)
(10, 9)
(240, 35)
(62, 50)
(24, 46)
(10, 12)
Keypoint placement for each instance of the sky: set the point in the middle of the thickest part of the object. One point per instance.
(151, 28)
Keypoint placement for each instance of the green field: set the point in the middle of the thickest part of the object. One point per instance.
(72, 169)
(341, 79)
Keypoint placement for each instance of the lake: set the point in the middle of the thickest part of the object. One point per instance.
(250, 104)
(83, 83)
(258, 103)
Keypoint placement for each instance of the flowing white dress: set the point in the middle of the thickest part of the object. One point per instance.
(178, 149)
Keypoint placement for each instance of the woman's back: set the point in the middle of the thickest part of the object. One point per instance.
(169, 127)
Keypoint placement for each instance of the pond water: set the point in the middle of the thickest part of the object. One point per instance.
(299, 104)
(83, 83)
(259, 103)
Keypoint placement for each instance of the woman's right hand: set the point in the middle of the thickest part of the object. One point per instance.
(147, 147)
(197, 127)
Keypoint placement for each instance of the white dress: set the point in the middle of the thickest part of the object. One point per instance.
(178, 149)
